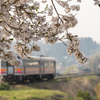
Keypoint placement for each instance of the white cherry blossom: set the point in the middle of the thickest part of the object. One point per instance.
(25, 22)
(78, 0)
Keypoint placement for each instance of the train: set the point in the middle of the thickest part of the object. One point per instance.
(33, 69)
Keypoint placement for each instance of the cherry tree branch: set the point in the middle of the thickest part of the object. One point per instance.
(13, 27)
(4, 2)
(56, 11)
(7, 30)
(15, 1)
(63, 42)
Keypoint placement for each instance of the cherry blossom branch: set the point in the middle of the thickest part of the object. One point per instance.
(4, 2)
(63, 42)
(13, 27)
(15, 1)
(7, 30)
(29, 25)
(56, 11)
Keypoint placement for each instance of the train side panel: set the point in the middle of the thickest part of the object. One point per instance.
(36, 68)
(49, 66)
(31, 67)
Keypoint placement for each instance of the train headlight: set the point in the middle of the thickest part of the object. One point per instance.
(1, 71)
(19, 71)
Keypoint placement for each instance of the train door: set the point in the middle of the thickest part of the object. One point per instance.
(24, 66)
(54, 68)
(41, 68)
(10, 69)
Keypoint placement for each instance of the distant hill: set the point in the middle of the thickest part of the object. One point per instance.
(88, 46)
(58, 50)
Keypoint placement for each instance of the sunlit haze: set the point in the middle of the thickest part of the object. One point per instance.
(88, 21)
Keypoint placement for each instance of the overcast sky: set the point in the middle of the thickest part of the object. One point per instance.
(88, 21)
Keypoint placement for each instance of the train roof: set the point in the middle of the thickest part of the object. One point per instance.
(48, 58)
(39, 58)
(33, 57)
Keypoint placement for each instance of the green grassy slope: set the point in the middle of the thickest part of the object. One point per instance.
(34, 94)
(57, 89)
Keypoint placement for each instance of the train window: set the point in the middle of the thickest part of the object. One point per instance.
(33, 64)
(3, 63)
(52, 64)
(45, 65)
(49, 64)
(27, 63)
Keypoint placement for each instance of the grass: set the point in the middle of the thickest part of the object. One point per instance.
(91, 77)
(59, 80)
(51, 90)
(27, 93)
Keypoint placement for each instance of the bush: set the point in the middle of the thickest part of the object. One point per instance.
(84, 95)
(4, 86)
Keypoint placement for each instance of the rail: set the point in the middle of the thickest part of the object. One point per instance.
(74, 76)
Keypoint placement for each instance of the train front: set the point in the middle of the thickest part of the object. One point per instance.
(8, 72)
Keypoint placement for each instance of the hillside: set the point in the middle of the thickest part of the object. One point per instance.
(57, 89)
(58, 51)
(70, 85)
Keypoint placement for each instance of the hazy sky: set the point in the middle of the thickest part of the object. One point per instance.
(88, 21)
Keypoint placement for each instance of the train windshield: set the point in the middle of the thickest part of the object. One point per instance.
(9, 64)
(3, 63)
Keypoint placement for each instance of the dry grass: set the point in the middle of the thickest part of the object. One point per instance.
(70, 85)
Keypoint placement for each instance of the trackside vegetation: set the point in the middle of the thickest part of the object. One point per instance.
(4, 86)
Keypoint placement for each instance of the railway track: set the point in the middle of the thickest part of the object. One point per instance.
(57, 77)
(74, 76)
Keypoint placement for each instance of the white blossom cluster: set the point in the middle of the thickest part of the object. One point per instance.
(44, 1)
(78, 0)
(69, 21)
(24, 22)
(73, 47)
(68, 8)
(97, 2)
